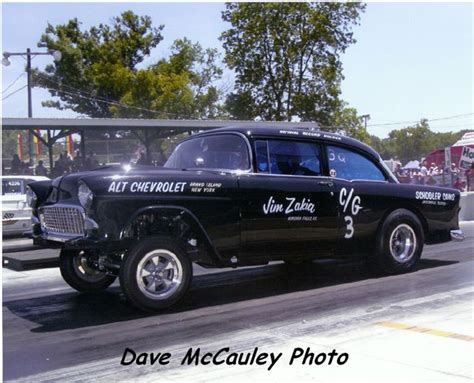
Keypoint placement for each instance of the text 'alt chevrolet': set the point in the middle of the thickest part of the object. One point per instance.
(233, 197)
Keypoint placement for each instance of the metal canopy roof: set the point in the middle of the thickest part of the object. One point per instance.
(135, 124)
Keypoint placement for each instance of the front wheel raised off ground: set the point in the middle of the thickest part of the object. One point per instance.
(156, 273)
(77, 270)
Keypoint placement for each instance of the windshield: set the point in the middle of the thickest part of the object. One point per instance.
(12, 186)
(223, 152)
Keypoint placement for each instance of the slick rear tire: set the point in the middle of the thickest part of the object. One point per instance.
(156, 273)
(399, 244)
(78, 274)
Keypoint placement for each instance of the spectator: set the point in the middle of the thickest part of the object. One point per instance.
(457, 184)
(91, 161)
(40, 169)
(454, 170)
(16, 164)
(142, 160)
(77, 162)
(470, 178)
(60, 166)
(423, 172)
(398, 171)
(68, 162)
(442, 168)
(433, 170)
(25, 167)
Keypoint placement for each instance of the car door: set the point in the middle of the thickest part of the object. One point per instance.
(359, 184)
(288, 207)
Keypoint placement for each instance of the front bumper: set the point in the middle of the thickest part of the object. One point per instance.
(457, 235)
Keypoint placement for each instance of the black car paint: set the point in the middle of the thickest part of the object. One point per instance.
(226, 209)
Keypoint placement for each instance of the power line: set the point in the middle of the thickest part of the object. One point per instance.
(451, 126)
(13, 83)
(91, 97)
(71, 87)
(15, 91)
(416, 121)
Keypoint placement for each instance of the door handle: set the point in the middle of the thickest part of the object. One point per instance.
(326, 182)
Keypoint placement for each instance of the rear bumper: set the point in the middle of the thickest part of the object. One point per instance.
(16, 225)
(457, 235)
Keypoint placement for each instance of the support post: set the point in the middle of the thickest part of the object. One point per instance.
(83, 148)
(50, 153)
(30, 107)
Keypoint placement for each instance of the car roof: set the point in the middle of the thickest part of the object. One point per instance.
(294, 132)
(25, 177)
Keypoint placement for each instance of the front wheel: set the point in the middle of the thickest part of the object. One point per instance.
(156, 273)
(77, 270)
(399, 244)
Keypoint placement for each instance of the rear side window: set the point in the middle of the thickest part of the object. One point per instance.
(224, 152)
(12, 186)
(349, 165)
(288, 157)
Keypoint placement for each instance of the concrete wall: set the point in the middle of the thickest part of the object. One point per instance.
(467, 207)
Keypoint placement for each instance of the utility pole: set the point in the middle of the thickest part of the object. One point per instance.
(5, 61)
(366, 117)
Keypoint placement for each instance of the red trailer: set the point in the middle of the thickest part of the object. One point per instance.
(437, 156)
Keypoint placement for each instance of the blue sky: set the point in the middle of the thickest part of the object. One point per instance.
(411, 60)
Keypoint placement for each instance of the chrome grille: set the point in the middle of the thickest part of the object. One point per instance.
(62, 220)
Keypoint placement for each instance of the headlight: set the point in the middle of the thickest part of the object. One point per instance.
(85, 195)
(31, 197)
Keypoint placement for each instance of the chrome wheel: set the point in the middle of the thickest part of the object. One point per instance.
(403, 243)
(159, 274)
(84, 269)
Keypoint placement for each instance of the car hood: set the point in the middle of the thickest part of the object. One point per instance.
(143, 179)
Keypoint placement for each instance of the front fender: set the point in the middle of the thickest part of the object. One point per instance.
(178, 212)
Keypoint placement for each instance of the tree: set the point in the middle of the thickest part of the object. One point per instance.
(413, 142)
(347, 121)
(178, 87)
(96, 65)
(287, 58)
(100, 76)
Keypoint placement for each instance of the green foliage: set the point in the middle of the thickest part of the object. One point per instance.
(347, 120)
(100, 62)
(413, 142)
(178, 87)
(287, 58)
(100, 73)
(9, 143)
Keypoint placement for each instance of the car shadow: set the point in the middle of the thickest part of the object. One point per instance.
(73, 310)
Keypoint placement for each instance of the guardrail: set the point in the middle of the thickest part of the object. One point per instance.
(467, 206)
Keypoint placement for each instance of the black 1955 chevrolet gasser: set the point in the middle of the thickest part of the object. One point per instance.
(233, 197)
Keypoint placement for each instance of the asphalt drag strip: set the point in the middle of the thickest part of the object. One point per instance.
(51, 332)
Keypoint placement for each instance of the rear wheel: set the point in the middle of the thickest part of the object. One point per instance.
(77, 270)
(399, 243)
(156, 273)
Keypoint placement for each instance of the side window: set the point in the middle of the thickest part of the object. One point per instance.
(261, 151)
(225, 151)
(288, 157)
(349, 165)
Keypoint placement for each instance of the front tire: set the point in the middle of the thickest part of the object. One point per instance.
(156, 273)
(77, 272)
(399, 243)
